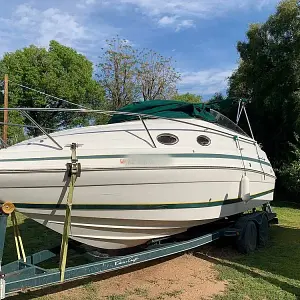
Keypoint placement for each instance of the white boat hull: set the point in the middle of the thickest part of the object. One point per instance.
(125, 197)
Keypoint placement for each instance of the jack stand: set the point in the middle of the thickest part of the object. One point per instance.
(18, 239)
(9, 208)
(73, 170)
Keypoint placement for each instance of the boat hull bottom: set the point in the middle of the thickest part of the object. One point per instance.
(117, 233)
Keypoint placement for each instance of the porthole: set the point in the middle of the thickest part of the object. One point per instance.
(167, 139)
(203, 140)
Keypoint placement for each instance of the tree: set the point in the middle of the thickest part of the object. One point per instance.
(128, 74)
(217, 97)
(290, 170)
(187, 97)
(269, 75)
(156, 76)
(59, 71)
(117, 72)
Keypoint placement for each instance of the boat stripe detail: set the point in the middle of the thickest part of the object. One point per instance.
(217, 155)
(139, 206)
(161, 168)
(108, 156)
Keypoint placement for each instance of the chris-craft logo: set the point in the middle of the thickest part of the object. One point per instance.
(129, 260)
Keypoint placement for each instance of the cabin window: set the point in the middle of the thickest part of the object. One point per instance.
(167, 139)
(203, 140)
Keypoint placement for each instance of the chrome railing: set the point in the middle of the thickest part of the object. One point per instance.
(24, 111)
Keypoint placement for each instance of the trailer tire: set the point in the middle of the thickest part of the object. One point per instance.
(263, 232)
(247, 242)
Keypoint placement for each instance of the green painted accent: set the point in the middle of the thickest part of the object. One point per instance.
(138, 206)
(215, 155)
(261, 194)
(182, 155)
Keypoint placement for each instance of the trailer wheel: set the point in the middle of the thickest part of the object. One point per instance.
(247, 242)
(263, 232)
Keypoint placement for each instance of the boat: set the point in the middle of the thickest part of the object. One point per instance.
(156, 169)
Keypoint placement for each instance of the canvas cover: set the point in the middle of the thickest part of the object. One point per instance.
(165, 108)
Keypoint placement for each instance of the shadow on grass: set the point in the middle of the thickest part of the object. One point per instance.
(277, 263)
(290, 288)
(35, 238)
(286, 204)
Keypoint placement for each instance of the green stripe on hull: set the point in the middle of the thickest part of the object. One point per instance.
(213, 155)
(138, 206)
(177, 155)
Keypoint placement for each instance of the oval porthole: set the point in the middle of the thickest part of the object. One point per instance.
(203, 140)
(167, 139)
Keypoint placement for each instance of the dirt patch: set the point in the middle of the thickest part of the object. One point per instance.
(184, 277)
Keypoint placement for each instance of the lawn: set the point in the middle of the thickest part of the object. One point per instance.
(269, 273)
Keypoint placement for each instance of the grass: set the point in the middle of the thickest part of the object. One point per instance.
(36, 237)
(269, 273)
(116, 297)
(141, 292)
(174, 294)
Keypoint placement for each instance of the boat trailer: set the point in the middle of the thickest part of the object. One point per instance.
(25, 273)
(249, 231)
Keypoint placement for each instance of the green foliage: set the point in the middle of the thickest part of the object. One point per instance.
(217, 101)
(217, 97)
(290, 171)
(269, 75)
(59, 71)
(187, 97)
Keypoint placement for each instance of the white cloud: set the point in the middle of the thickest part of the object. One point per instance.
(29, 25)
(41, 26)
(84, 3)
(184, 24)
(166, 20)
(205, 82)
(198, 8)
(180, 14)
(176, 23)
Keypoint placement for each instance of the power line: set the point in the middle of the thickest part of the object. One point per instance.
(48, 95)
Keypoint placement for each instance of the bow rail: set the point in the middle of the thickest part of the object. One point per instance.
(24, 112)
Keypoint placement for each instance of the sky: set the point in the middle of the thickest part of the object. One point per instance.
(200, 35)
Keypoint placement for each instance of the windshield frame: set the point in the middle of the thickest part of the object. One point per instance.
(234, 126)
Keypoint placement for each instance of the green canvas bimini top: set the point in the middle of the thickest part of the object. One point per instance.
(165, 108)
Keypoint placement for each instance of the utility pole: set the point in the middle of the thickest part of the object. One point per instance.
(5, 119)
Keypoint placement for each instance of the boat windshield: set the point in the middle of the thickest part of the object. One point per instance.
(227, 123)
